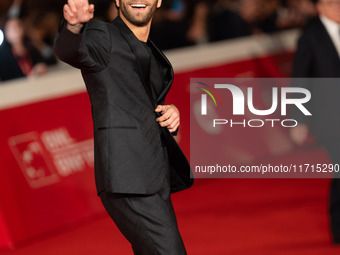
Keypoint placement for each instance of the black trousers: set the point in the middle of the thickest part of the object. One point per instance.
(148, 222)
(335, 210)
(333, 150)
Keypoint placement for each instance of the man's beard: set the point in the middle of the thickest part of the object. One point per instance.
(138, 20)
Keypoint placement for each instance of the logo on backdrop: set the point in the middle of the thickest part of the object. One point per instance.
(289, 96)
(45, 158)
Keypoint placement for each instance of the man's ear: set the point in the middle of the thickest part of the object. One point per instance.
(159, 3)
(117, 3)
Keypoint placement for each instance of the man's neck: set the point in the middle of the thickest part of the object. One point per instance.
(142, 33)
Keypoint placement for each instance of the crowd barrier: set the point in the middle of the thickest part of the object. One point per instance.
(46, 154)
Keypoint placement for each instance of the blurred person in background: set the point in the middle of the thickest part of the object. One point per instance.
(225, 22)
(4, 6)
(318, 56)
(18, 58)
(198, 13)
(41, 24)
(261, 15)
(106, 10)
(213, 20)
(15, 9)
(250, 12)
(169, 26)
(22, 8)
(296, 13)
(269, 16)
(41, 28)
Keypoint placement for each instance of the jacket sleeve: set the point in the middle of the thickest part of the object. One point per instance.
(302, 64)
(302, 69)
(89, 50)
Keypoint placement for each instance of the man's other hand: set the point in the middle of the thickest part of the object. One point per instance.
(170, 117)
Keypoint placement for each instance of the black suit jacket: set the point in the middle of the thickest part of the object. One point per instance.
(316, 57)
(128, 142)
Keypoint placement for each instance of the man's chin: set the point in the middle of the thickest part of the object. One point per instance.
(139, 22)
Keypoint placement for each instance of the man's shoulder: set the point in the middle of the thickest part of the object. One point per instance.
(312, 31)
(99, 30)
(97, 24)
(313, 27)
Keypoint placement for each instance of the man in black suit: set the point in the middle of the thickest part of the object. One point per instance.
(137, 161)
(318, 56)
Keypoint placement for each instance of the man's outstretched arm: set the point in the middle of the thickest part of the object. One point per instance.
(82, 45)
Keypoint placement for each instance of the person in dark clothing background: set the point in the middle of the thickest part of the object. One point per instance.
(225, 24)
(168, 30)
(318, 56)
(18, 58)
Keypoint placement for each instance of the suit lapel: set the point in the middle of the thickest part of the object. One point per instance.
(167, 72)
(142, 56)
(143, 59)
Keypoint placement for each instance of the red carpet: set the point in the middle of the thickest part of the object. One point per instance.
(220, 217)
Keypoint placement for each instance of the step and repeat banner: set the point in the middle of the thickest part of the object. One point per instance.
(46, 138)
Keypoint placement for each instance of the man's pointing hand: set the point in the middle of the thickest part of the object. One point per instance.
(76, 13)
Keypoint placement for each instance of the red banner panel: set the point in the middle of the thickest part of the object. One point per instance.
(47, 177)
